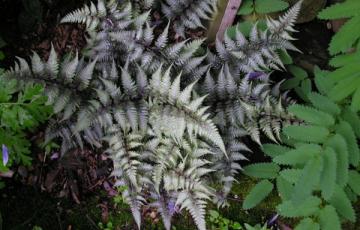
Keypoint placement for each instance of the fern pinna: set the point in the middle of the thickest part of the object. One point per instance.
(315, 170)
(134, 92)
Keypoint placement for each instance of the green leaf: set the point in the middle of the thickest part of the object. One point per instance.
(345, 38)
(345, 87)
(291, 175)
(274, 150)
(354, 181)
(262, 170)
(344, 59)
(309, 178)
(307, 224)
(345, 130)
(324, 103)
(285, 58)
(284, 187)
(338, 144)
(341, 10)
(353, 119)
(323, 83)
(304, 89)
(329, 219)
(2, 56)
(266, 6)
(247, 7)
(300, 155)
(342, 204)
(355, 103)
(299, 75)
(311, 115)
(315, 134)
(246, 26)
(298, 72)
(306, 208)
(328, 174)
(259, 192)
(353, 197)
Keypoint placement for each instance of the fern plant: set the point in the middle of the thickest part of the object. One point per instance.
(21, 110)
(346, 76)
(315, 171)
(131, 94)
(137, 119)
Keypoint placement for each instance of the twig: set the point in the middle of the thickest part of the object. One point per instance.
(228, 18)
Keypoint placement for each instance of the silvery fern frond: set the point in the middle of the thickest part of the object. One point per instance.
(285, 23)
(188, 14)
(176, 111)
(82, 112)
(131, 40)
(89, 15)
(259, 52)
(250, 104)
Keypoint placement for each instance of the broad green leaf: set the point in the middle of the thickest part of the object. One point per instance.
(324, 103)
(285, 58)
(353, 119)
(309, 178)
(345, 87)
(355, 103)
(329, 219)
(311, 115)
(259, 192)
(323, 83)
(246, 7)
(307, 224)
(2, 56)
(354, 181)
(266, 6)
(299, 73)
(246, 26)
(344, 59)
(284, 188)
(342, 204)
(291, 175)
(300, 155)
(304, 89)
(315, 134)
(274, 150)
(338, 144)
(306, 208)
(262, 170)
(341, 10)
(328, 174)
(345, 38)
(345, 130)
(353, 197)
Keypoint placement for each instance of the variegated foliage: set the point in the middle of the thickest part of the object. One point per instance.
(167, 150)
(117, 35)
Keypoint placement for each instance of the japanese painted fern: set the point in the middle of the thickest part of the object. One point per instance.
(171, 147)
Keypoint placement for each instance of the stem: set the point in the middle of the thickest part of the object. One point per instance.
(228, 18)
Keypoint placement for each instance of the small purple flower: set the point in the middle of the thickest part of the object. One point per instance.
(5, 154)
(172, 208)
(255, 75)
